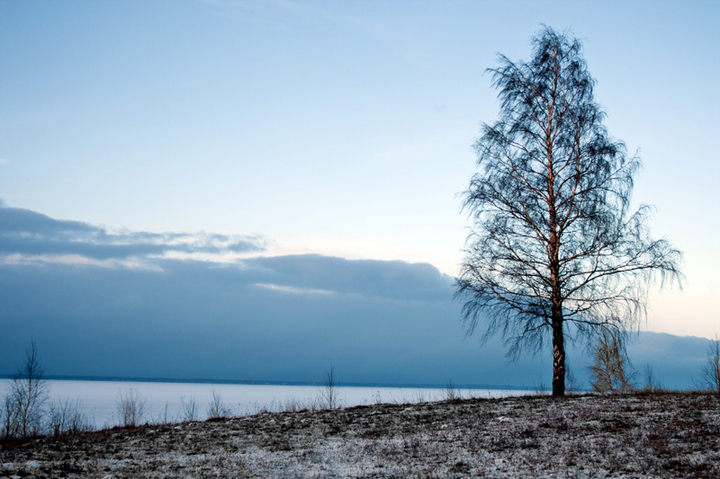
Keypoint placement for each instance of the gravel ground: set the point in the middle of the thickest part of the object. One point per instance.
(632, 436)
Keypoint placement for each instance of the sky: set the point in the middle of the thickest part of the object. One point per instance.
(226, 131)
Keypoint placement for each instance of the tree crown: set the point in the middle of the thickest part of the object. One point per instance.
(553, 236)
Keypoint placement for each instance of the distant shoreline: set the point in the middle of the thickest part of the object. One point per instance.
(60, 377)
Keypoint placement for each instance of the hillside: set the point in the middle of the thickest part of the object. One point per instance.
(640, 435)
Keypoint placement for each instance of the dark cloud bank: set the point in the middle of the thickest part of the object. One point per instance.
(261, 318)
(26, 232)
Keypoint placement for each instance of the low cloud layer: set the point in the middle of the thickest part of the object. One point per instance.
(27, 236)
(281, 318)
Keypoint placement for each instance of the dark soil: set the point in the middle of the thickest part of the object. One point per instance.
(639, 435)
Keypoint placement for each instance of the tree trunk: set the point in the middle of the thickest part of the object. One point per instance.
(558, 382)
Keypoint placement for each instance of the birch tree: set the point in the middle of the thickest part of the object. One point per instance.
(553, 240)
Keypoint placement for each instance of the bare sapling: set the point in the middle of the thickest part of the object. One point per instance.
(329, 393)
(651, 381)
(23, 406)
(217, 407)
(130, 407)
(190, 409)
(711, 369)
(609, 367)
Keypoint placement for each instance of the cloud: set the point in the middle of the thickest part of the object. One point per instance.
(158, 312)
(292, 289)
(237, 321)
(371, 278)
(30, 237)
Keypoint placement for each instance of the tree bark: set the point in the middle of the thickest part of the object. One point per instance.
(558, 382)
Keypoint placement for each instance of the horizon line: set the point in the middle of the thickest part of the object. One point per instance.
(255, 382)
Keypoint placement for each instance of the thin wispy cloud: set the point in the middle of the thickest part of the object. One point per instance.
(292, 289)
(30, 237)
(74, 259)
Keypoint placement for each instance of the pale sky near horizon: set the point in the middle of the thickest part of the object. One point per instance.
(340, 128)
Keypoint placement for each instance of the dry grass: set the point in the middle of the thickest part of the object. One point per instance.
(639, 435)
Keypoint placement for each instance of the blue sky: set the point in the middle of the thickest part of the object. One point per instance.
(336, 128)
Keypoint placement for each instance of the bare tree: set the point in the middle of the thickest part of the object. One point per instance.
(554, 241)
(23, 408)
(711, 369)
(330, 392)
(609, 368)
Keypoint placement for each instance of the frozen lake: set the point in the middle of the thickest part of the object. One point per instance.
(165, 400)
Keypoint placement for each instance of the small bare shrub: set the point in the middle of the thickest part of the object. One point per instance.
(217, 408)
(571, 382)
(711, 369)
(66, 417)
(451, 393)
(540, 388)
(652, 382)
(165, 417)
(130, 407)
(292, 404)
(190, 409)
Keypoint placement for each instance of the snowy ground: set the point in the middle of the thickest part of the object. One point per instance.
(643, 435)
